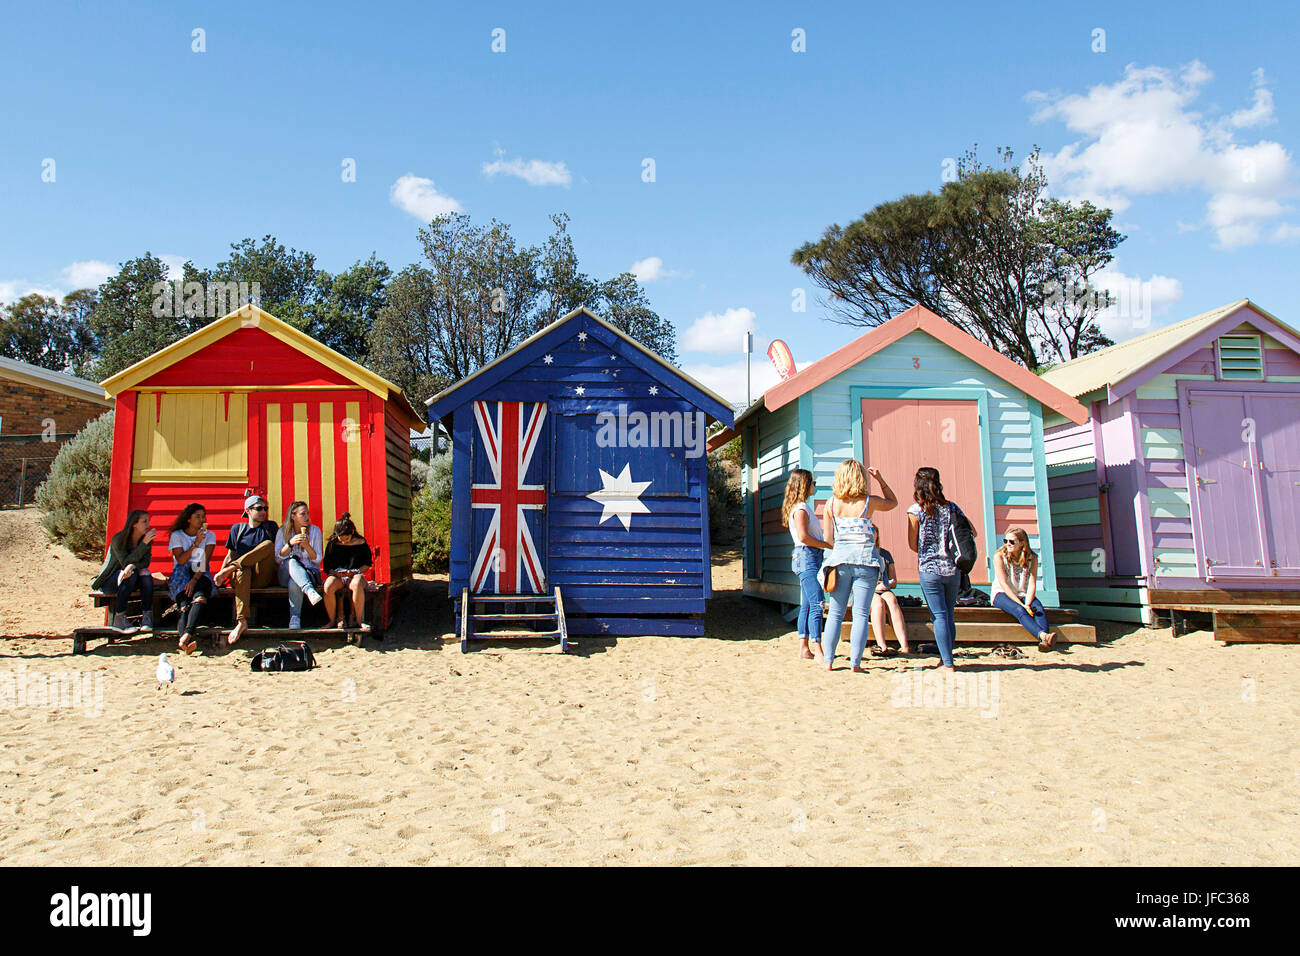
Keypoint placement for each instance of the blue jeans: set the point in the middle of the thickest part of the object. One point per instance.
(859, 582)
(136, 579)
(940, 592)
(810, 605)
(1035, 623)
(295, 577)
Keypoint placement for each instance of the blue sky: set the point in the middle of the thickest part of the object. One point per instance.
(1185, 123)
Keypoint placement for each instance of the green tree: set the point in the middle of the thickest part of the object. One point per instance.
(290, 286)
(136, 314)
(989, 252)
(352, 299)
(41, 331)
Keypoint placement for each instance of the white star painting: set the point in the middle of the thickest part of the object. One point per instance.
(580, 390)
(654, 389)
(582, 336)
(620, 497)
(548, 359)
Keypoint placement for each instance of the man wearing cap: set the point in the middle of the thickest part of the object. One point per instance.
(250, 559)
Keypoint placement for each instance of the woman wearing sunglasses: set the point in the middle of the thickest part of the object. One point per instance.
(1015, 571)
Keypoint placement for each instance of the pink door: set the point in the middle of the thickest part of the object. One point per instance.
(1222, 486)
(900, 435)
(1277, 437)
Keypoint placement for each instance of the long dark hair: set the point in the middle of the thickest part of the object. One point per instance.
(928, 490)
(182, 521)
(124, 536)
(344, 526)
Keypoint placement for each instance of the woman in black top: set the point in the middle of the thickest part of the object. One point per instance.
(126, 568)
(347, 559)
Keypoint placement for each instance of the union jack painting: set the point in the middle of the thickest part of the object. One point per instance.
(508, 497)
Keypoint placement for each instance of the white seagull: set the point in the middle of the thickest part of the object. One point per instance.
(165, 673)
(620, 497)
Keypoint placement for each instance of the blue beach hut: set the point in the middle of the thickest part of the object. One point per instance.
(579, 491)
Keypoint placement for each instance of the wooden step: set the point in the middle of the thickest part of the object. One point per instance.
(512, 599)
(1002, 632)
(515, 617)
(514, 635)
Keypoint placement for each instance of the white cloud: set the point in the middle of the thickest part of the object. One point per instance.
(1137, 302)
(418, 196)
(719, 333)
(650, 269)
(88, 274)
(728, 379)
(1261, 112)
(11, 290)
(174, 264)
(535, 172)
(1140, 135)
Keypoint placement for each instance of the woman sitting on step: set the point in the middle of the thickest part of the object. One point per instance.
(347, 559)
(126, 569)
(190, 584)
(1015, 571)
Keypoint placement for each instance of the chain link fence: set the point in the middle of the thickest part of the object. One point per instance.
(19, 478)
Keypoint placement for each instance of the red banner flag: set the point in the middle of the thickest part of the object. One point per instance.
(780, 355)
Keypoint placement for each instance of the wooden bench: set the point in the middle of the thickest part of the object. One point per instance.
(376, 614)
(1238, 617)
(986, 625)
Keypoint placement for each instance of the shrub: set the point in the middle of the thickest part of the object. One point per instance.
(74, 497)
(724, 492)
(439, 482)
(430, 531)
(419, 475)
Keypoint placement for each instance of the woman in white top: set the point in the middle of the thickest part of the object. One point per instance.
(799, 515)
(299, 546)
(1015, 574)
(190, 584)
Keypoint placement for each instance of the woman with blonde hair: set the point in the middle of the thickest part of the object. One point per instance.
(1015, 574)
(799, 515)
(846, 526)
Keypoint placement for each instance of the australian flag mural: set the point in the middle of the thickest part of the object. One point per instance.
(578, 462)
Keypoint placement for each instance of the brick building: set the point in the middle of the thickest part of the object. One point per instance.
(39, 411)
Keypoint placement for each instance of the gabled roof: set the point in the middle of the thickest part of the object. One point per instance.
(1122, 367)
(523, 353)
(50, 380)
(250, 316)
(919, 318)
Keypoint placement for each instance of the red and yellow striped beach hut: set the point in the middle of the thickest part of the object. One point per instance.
(251, 403)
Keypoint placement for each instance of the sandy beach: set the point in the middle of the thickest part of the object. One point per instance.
(724, 749)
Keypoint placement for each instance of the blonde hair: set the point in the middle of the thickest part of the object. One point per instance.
(797, 489)
(1026, 554)
(850, 480)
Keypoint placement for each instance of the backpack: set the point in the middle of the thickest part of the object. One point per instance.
(290, 656)
(961, 541)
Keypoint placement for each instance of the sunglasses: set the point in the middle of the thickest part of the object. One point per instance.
(1011, 540)
(258, 508)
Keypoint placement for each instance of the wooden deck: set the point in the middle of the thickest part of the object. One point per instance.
(988, 625)
(1239, 617)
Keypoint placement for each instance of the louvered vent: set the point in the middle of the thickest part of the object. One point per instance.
(1240, 357)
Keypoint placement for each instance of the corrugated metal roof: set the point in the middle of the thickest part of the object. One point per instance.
(56, 381)
(1111, 365)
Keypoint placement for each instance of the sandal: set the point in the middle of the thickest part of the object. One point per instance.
(1009, 651)
(188, 644)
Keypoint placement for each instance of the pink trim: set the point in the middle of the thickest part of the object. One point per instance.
(1099, 454)
(918, 317)
(1161, 363)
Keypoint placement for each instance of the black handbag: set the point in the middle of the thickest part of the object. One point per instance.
(290, 656)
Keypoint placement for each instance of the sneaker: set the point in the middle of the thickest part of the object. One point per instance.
(146, 621)
(312, 595)
(295, 622)
(119, 622)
